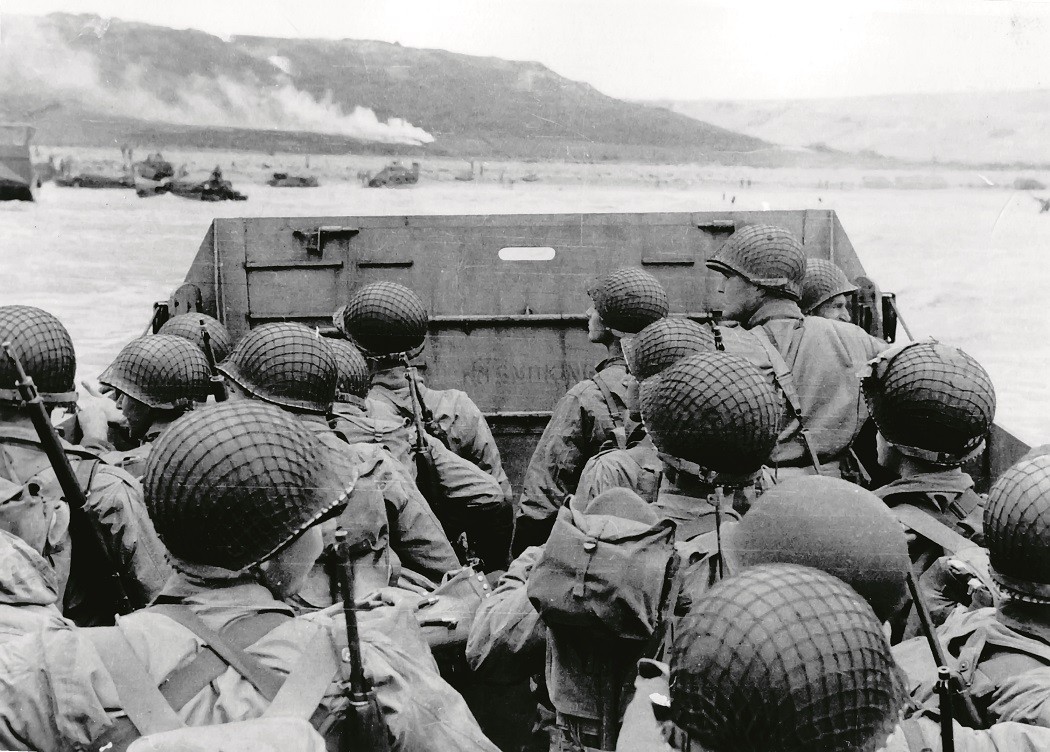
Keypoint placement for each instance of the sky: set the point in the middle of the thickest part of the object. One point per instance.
(667, 49)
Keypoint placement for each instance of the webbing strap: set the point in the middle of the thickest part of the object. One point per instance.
(139, 696)
(781, 370)
(266, 681)
(186, 683)
(619, 431)
(306, 686)
(931, 529)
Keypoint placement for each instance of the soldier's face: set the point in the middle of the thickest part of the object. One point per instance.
(138, 416)
(597, 332)
(739, 298)
(285, 574)
(836, 309)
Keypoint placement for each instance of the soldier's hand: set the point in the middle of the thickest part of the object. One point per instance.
(93, 399)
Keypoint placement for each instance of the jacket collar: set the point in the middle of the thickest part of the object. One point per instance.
(775, 308)
(949, 481)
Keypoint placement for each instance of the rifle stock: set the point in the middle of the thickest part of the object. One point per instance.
(364, 729)
(218, 385)
(73, 494)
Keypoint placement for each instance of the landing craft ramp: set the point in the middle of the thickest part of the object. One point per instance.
(506, 293)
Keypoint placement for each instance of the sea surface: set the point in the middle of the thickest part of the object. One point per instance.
(969, 266)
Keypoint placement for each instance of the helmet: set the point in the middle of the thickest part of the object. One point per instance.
(188, 326)
(823, 282)
(1017, 530)
(286, 364)
(766, 256)
(45, 349)
(629, 299)
(931, 401)
(787, 658)
(829, 524)
(664, 342)
(712, 409)
(354, 377)
(161, 371)
(232, 484)
(385, 318)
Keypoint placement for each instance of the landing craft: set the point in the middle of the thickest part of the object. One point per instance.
(18, 181)
(507, 325)
(394, 175)
(284, 180)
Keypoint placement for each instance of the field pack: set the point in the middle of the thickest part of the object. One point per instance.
(606, 568)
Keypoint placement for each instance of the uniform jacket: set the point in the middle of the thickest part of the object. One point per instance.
(580, 424)
(28, 590)
(638, 468)
(416, 535)
(824, 357)
(485, 509)
(114, 501)
(56, 694)
(468, 432)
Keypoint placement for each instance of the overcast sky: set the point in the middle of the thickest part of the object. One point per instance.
(681, 49)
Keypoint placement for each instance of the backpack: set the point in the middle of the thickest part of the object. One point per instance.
(608, 575)
(153, 710)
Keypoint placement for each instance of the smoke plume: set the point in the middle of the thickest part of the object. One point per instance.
(37, 63)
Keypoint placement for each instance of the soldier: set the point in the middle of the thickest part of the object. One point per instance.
(933, 405)
(825, 291)
(31, 589)
(1003, 652)
(779, 657)
(114, 508)
(591, 414)
(713, 418)
(459, 483)
(815, 359)
(188, 326)
(386, 320)
(156, 379)
(237, 492)
(290, 366)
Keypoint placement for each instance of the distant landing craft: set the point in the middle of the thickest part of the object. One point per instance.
(395, 175)
(1044, 204)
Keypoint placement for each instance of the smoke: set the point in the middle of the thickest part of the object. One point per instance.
(36, 63)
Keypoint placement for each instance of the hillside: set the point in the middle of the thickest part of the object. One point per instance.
(1005, 128)
(111, 82)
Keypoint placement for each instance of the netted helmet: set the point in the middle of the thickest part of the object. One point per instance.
(188, 326)
(665, 342)
(824, 280)
(354, 377)
(629, 299)
(1017, 530)
(232, 484)
(286, 364)
(931, 401)
(45, 348)
(828, 524)
(712, 409)
(161, 371)
(764, 255)
(385, 318)
(786, 658)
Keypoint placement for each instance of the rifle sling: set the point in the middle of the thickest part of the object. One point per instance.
(619, 432)
(931, 529)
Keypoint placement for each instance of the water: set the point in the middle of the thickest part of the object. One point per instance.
(967, 264)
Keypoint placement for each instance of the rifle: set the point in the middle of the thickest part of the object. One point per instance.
(218, 386)
(429, 423)
(427, 478)
(364, 729)
(90, 538)
(952, 684)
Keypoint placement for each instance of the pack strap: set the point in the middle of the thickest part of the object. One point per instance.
(619, 431)
(266, 681)
(145, 706)
(930, 528)
(305, 688)
(186, 683)
(84, 471)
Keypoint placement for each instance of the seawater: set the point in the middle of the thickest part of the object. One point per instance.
(969, 266)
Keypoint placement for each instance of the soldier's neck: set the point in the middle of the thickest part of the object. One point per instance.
(614, 349)
(687, 485)
(15, 416)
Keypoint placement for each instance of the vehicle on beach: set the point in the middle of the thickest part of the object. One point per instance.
(505, 293)
(284, 180)
(395, 175)
(18, 181)
(211, 188)
(94, 180)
